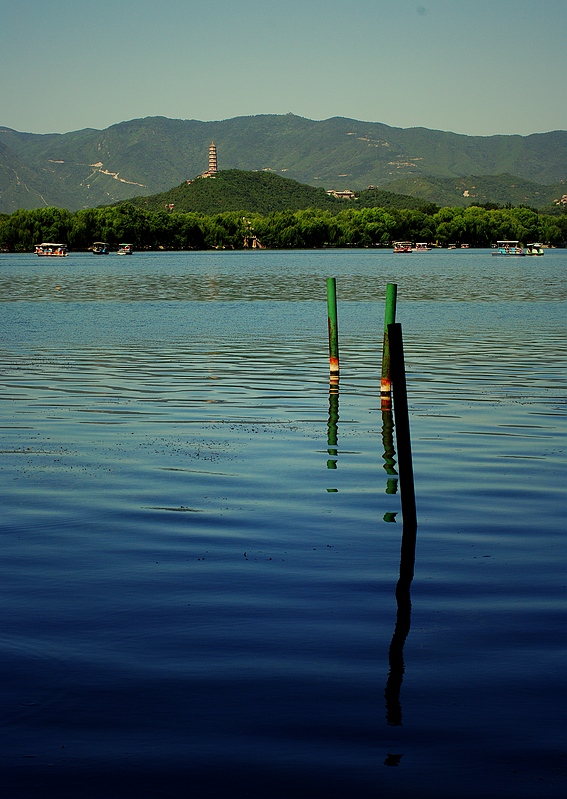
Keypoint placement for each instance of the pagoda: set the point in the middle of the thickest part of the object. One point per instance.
(212, 158)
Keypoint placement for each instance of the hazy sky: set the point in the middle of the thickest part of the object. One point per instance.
(478, 67)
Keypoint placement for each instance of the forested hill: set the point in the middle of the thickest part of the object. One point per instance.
(262, 193)
(143, 157)
(480, 190)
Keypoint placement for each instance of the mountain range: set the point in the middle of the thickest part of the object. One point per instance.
(143, 157)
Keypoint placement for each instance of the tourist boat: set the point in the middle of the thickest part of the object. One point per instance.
(465, 246)
(402, 246)
(52, 250)
(125, 249)
(422, 247)
(100, 248)
(507, 247)
(451, 246)
(534, 249)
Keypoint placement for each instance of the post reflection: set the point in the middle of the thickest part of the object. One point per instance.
(402, 628)
(409, 531)
(389, 451)
(332, 424)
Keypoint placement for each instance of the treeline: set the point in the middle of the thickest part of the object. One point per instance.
(366, 227)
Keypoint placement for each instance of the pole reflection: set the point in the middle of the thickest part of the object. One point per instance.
(409, 530)
(389, 451)
(402, 628)
(333, 423)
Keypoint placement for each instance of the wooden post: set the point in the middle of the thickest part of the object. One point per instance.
(333, 329)
(401, 417)
(389, 319)
(409, 528)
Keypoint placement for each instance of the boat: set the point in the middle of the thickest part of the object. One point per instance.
(534, 249)
(507, 247)
(125, 249)
(52, 250)
(402, 246)
(451, 246)
(421, 247)
(465, 246)
(100, 248)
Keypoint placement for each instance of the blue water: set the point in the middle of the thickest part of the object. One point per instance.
(201, 545)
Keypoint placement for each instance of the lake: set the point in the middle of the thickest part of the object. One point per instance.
(201, 543)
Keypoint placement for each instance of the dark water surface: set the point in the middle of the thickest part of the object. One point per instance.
(201, 545)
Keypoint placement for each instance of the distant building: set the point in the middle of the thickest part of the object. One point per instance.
(212, 157)
(213, 169)
(347, 194)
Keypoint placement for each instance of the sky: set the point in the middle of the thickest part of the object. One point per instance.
(477, 67)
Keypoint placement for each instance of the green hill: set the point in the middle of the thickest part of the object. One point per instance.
(144, 157)
(480, 189)
(261, 193)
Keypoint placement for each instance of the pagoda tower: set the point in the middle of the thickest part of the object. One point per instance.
(212, 158)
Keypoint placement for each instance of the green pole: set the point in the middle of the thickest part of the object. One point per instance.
(333, 328)
(389, 319)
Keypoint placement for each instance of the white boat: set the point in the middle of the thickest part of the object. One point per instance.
(402, 246)
(125, 249)
(534, 249)
(451, 246)
(421, 246)
(508, 247)
(51, 250)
